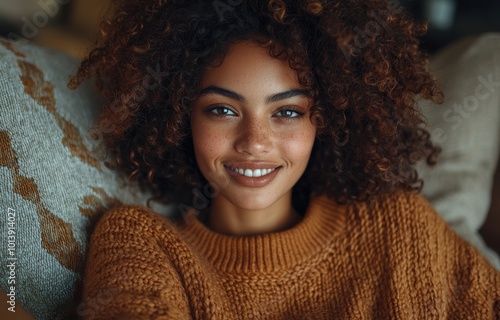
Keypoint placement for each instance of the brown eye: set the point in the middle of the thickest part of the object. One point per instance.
(221, 111)
(289, 113)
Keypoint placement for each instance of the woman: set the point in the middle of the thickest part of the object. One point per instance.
(286, 132)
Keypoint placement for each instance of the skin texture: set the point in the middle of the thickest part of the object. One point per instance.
(246, 130)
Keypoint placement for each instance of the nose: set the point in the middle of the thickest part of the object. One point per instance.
(254, 138)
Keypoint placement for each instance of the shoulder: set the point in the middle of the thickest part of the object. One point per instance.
(133, 219)
(402, 201)
(398, 208)
(410, 224)
(405, 221)
(412, 213)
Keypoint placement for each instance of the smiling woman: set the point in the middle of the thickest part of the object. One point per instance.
(303, 140)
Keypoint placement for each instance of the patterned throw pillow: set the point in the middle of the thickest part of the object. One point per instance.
(52, 186)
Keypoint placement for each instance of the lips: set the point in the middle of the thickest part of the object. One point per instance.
(252, 174)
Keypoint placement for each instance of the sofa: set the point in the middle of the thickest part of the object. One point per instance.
(55, 185)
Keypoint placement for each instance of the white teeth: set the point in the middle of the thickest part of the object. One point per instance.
(252, 173)
(248, 173)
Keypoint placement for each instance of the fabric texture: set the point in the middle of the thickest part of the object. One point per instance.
(50, 178)
(390, 258)
(467, 128)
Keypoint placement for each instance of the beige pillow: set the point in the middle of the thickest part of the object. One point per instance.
(467, 126)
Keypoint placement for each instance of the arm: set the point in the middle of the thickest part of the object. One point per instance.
(128, 275)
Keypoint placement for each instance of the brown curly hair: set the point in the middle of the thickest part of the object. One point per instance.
(359, 59)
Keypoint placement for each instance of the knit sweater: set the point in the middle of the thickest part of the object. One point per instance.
(390, 258)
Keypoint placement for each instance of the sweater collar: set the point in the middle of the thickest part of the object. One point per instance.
(323, 220)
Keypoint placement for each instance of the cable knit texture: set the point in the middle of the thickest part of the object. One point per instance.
(390, 258)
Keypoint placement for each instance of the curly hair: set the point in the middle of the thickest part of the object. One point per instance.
(359, 59)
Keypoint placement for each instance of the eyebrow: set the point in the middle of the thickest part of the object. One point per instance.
(238, 97)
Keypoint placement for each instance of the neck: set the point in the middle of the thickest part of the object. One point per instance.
(226, 218)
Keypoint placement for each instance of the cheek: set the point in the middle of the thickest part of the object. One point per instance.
(209, 141)
(299, 143)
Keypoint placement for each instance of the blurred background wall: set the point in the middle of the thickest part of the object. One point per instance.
(69, 25)
(450, 20)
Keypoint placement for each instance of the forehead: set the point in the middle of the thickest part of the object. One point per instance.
(248, 65)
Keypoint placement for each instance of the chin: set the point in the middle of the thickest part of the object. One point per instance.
(252, 203)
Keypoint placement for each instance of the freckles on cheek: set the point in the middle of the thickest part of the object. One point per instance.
(209, 140)
(299, 143)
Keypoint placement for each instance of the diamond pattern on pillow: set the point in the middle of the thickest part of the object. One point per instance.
(51, 177)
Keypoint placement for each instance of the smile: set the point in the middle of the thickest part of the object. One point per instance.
(252, 173)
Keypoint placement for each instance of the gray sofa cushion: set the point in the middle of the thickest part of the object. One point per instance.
(51, 180)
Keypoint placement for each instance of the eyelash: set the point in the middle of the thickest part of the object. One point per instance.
(213, 111)
(292, 109)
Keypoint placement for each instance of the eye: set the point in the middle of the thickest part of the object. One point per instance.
(289, 113)
(221, 111)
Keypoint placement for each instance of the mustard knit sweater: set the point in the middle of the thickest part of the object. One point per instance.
(391, 258)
